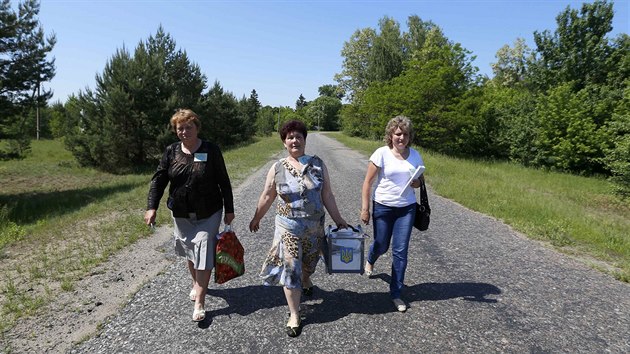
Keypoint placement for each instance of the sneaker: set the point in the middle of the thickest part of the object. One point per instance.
(400, 305)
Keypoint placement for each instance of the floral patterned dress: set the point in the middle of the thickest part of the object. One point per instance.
(299, 228)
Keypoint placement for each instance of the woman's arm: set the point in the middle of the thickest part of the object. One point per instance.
(159, 181)
(265, 200)
(329, 200)
(372, 170)
(223, 180)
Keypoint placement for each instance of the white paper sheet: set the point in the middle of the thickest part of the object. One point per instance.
(415, 175)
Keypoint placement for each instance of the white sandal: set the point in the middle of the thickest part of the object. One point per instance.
(192, 295)
(199, 315)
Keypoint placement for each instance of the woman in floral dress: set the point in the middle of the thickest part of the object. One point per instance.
(303, 186)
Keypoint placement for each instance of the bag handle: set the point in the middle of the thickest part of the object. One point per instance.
(424, 198)
(226, 228)
(349, 226)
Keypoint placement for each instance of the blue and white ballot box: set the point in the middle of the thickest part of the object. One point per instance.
(344, 250)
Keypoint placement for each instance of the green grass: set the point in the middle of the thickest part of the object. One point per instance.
(576, 215)
(63, 220)
(242, 161)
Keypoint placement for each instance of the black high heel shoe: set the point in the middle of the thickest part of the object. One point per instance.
(294, 331)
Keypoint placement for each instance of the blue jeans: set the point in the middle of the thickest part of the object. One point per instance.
(392, 225)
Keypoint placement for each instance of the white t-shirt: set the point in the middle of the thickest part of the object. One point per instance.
(392, 176)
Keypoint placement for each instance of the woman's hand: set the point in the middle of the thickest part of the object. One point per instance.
(149, 216)
(265, 200)
(254, 225)
(415, 183)
(341, 224)
(228, 218)
(370, 175)
(365, 216)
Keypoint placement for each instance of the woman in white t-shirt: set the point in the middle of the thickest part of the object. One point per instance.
(393, 201)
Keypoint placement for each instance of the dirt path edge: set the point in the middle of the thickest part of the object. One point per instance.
(75, 316)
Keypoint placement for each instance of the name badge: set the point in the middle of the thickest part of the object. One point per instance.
(201, 157)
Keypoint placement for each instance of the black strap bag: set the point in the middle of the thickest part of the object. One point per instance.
(423, 210)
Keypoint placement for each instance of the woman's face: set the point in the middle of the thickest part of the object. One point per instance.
(186, 131)
(400, 139)
(295, 143)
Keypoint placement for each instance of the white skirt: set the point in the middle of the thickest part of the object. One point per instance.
(195, 239)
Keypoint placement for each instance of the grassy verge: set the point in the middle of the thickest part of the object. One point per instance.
(576, 215)
(58, 221)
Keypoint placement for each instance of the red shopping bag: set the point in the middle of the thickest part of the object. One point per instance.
(228, 257)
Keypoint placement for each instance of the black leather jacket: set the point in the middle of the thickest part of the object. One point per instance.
(199, 183)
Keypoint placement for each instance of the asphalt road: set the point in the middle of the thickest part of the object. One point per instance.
(472, 284)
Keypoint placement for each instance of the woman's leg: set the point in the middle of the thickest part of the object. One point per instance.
(293, 300)
(383, 218)
(193, 274)
(401, 233)
(202, 279)
(183, 228)
(311, 249)
(204, 243)
(292, 273)
(307, 284)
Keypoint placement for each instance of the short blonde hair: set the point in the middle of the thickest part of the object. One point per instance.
(184, 115)
(402, 122)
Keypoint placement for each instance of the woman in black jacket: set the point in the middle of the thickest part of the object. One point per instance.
(199, 191)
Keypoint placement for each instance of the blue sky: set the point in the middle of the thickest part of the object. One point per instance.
(279, 48)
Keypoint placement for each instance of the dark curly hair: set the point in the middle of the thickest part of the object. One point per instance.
(292, 126)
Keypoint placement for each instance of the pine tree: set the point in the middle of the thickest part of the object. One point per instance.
(124, 123)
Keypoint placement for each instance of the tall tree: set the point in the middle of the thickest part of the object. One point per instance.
(569, 137)
(617, 154)
(427, 92)
(330, 91)
(420, 73)
(577, 51)
(301, 103)
(511, 67)
(386, 55)
(184, 75)
(253, 105)
(180, 86)
(266, 120)
(323, 113)
(250, 107)
(124, 122)
(223, 121)
(24, 66)
(415, 39)
(354, 76)
(57, 121)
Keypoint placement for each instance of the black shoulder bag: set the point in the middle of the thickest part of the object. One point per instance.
(423, 210)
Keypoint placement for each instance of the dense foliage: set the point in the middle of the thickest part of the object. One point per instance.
(562, 105)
